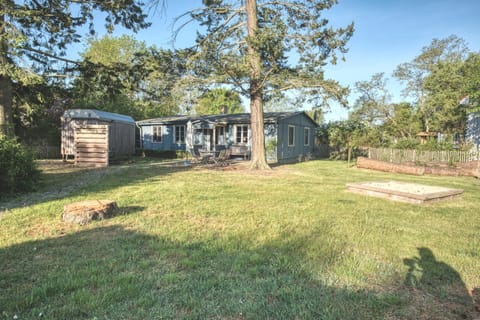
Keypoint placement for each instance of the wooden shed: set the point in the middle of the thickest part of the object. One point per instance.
(94, 137)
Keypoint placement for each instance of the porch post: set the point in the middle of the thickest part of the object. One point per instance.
(214, 140)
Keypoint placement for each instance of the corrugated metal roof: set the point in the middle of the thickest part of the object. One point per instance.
(269, 117)
(96, 114)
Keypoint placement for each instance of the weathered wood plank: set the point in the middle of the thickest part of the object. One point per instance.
(91, 137)
(92, 156)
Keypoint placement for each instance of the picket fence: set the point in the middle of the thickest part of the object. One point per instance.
(417, 156)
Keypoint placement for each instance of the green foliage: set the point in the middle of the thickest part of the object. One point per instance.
(213, 100)
(407, 143)
(471, 76)
(18, 171)
(35, 34)
(426, 81)
(293, 28)
(372, 106)
(37, 109)
(123, 75)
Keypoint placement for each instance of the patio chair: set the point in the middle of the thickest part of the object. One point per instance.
(223, 157)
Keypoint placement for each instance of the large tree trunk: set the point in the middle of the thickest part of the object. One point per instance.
(6, 120)
(259, 160)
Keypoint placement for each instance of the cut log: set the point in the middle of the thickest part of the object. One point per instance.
(85, 211)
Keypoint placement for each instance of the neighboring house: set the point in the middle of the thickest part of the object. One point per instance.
(473, 129)
(95, 137)
(288, 135)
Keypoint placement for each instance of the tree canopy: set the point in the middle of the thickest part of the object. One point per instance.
(124, 75)
(35, 34)
(214, 100)
(428, 64)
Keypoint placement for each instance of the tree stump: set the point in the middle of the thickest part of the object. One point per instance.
(85, 211)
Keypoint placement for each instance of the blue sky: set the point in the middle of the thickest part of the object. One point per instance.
(387, 33)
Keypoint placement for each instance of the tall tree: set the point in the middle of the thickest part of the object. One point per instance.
(214, 100)
(373, 103)
(264, 48)
(444, 90)
(124, 75)
(34, 35)
(470, 71)
(414, 73)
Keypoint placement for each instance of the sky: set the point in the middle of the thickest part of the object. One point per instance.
(387, 33)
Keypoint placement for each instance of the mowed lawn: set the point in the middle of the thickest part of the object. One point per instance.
(201, 243)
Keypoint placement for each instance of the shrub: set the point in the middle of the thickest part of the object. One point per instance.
(407, 143)
(18, 171)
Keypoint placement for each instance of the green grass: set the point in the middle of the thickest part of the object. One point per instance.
(210, 244)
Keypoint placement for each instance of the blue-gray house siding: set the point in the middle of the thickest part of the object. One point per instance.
(288, 135)
(301, 144)
(166, 143)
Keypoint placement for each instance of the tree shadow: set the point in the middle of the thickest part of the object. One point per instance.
(114, 273)
(61, 180)
(436, 289)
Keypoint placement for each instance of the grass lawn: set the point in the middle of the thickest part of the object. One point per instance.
(196, 243)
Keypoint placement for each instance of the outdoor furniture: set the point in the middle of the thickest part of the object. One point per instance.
(206, 156)
(222, 158)
(239, 151)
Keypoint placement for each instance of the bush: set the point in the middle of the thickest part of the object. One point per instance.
(18, 171)
(406, 143)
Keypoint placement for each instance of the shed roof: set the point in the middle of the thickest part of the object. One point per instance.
(96, 114)
(269, 117)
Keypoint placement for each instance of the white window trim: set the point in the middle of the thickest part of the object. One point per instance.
(175, 134)
(288, 136)
(248, 133)
(158, 135)
(307, 131)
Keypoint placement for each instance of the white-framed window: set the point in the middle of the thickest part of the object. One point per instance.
(241, 134)
(291, 136)
(306, 136)
(157, 134)
(179, 132)
(220, 135)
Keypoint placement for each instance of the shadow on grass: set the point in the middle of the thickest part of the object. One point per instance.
(59, 180)
(113, 273)
(436, 289)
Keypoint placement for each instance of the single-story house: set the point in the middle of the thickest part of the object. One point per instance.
(288, 135)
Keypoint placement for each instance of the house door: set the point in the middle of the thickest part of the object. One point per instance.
(207, 139)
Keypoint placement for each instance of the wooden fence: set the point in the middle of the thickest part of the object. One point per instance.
(422, 157)
(45, 151)
(91, 145)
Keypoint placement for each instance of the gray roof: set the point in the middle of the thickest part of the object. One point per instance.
(269, 117)
(96, 114)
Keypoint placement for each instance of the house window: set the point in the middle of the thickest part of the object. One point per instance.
(306, 136)
(291, 136)
(157, 134)
(179, 134)
(241, 135)
(220, 135)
